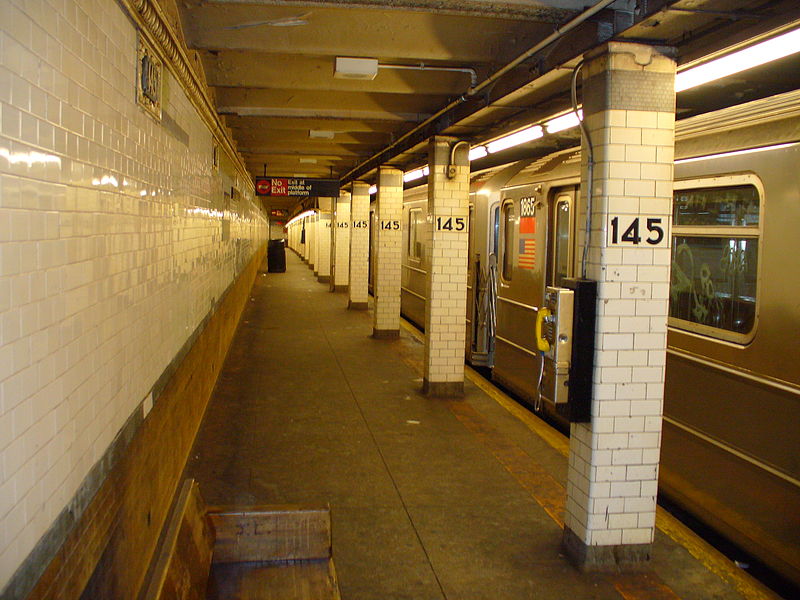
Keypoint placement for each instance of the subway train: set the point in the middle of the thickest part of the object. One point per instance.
(731, 429)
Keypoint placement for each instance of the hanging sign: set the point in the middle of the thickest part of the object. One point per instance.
(297, 187)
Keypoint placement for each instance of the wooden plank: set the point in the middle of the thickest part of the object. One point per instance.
(285, 533)
(307, 580)
(184, 560)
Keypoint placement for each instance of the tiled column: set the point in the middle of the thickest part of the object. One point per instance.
(304, 239)
(323, 269)
(359, 246)
(389, 209)
(629, 108)
(448, 238)
(313, 220)
(341, 248)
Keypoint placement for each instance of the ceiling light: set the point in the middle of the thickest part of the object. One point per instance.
(413, 175)
(310, 161)
(302, 215)
(373, 189)
(515, 139)
(567, 121)
(759, 54)
(320, 134)
(355, 68)
(477, 152)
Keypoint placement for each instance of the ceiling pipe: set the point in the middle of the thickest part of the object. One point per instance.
(558, 33)
(473, 74)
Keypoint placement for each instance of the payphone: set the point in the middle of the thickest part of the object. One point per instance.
(565, 332)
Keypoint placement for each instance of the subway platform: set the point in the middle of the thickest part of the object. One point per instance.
(430, 498)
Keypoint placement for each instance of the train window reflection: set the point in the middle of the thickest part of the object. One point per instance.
(415, 233)
(714, 277)
(508, 240)
(732, 206)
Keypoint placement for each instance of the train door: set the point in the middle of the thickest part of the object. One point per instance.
(473, 280)
(483, 278)
(523, 268)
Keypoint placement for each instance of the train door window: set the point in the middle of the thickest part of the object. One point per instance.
(415, 233)
(562, 245)
(509, 223)
(496, 230)
(715, 248)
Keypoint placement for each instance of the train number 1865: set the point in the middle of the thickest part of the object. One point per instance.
(628, 230)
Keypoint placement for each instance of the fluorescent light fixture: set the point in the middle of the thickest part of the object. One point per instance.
(373, 189)
(426, 171)
(564, 122)
(683, 161)
(533, 132)
(355, 68)
(308, 161)
(477, 152)
(302, 215)
(741, 60)
(320, 134)
(413, 175)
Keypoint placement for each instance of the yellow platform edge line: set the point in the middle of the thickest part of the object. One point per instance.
(709, 557)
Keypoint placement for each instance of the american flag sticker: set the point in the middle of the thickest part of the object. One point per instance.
(527, 253)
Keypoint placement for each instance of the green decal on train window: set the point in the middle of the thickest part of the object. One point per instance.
(714, 280)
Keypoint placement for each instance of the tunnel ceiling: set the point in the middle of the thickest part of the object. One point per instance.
(270, 65)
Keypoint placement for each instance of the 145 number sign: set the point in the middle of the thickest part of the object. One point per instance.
(630, 230)
(451, 223)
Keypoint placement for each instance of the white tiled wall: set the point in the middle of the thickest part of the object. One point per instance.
(389, 208)
(111, 248)
(359, 244)
(341, 242)
(446, 309)
(613, 470)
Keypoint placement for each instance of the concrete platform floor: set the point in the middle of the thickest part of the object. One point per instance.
(429, 499)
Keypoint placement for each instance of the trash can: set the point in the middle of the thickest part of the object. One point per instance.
(276, 256)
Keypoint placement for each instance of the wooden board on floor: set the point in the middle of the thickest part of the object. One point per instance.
(309, 580)
(184, 561)
(279, 533)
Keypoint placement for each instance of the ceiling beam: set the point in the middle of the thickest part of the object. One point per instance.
(546, 11)
(359, 32)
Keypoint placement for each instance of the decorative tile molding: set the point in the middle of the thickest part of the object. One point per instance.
(154, 26)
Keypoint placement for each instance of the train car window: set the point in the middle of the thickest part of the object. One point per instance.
(509, 222)
(714, 280)
(415, 233)
(562, 241)
(734, 206)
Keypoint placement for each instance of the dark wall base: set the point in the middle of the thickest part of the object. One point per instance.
(103, 550)
(443, 389)
(323, 278)
(386, 334)
(621, 558)
(340, 288)
(357, 305)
